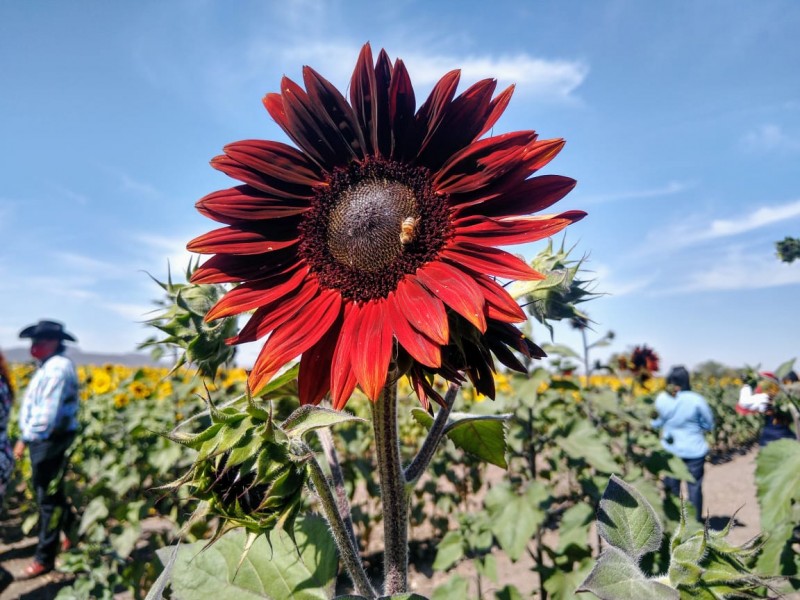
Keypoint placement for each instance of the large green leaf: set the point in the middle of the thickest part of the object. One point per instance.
(516, 517)
(626, 520)
(282, 572)
(777, 468)
(584, 443)
(481, 435)
(616, 576)
(309, 418)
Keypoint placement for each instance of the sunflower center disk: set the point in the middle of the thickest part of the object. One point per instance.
(370, 224)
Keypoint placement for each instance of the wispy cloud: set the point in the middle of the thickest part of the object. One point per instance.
(131, 312)
(670, 189)
(538, 78)
(166, 250)
(769, 138)
(694, 230)
(738, 270)
(613, 284)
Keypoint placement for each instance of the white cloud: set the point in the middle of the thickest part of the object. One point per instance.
(768, 138)
(671, 188)
(611, 284)
(167, 250)
(739, 270)
(682, 235)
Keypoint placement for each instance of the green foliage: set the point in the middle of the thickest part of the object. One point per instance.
(788, 249)
(482, 436)
(777, 468)
(182, 319)
(558, 295)
(703, 564)
(274, 569)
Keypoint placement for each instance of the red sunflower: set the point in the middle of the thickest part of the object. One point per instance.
(375, 240)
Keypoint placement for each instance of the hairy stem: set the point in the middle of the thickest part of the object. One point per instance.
(431, 443)
(342, 502)
(393, 490)
(347, 549)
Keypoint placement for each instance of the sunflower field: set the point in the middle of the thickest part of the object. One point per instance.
(534, 499)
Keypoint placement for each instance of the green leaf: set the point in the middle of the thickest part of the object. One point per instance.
(516, 517)
(282, 572)
(455, 587)
(584, 443)
(777, 466)
(574, 528)
(616, 576)
(483, 436)
(96, 510)
(449, 551)
(309, 418)
(563, 583)
(783, 370)
(626, 520)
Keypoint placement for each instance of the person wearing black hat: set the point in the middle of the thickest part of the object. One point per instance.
(48, 420)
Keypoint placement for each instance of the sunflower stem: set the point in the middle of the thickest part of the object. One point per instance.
(431, 443)
(337, 477)
(347, 549)
(393, 490)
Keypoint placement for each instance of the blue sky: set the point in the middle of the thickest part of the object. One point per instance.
(682, 122)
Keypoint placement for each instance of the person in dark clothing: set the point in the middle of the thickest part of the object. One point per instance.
(48, 420)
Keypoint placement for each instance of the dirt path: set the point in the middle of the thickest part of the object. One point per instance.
(728, 486)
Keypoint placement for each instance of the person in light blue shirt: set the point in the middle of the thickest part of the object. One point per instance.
(48, 420)
(684, 418)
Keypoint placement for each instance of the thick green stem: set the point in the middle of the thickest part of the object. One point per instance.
(347, 549)
(393, 490)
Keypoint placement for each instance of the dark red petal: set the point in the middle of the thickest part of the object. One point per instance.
(310, 128)
(314, 376)
(417, 344)
(424, 311)
(485, 259)
(499, 303)
(456, 289)
(272, 186)
(515, 230)
(431, 114)
(373, 349)
(231, 268)
(251, 295)
(244, 203)
(462, 123)
(363, 98)
(484, 162)
(337, 113)
(402, 105)
(276, 313)
(496, 108)
(277, 160)
(529, 196)
(382, 121)
(237, 240)
(295, 337)
(343, 381)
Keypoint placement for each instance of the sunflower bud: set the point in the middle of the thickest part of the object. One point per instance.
(247, 471)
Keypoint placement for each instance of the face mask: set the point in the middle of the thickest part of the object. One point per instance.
(41, 350)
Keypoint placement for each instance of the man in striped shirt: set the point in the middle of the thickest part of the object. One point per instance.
(48, 420)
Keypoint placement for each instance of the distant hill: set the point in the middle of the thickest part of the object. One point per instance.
(132, 359)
